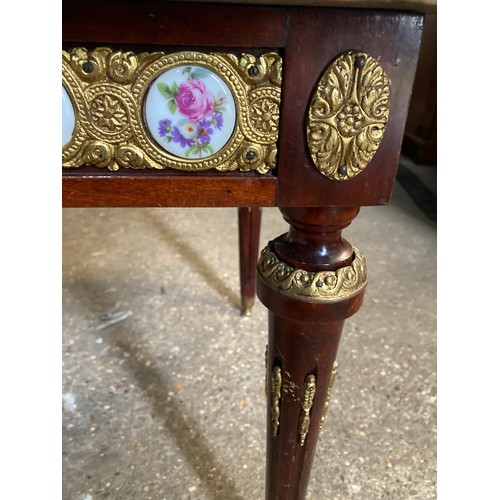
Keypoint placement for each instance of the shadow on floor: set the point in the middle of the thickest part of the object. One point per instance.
(158, 391)
(179, 426)
(191, 255)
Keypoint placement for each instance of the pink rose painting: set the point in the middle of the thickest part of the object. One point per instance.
(194, 101)
(202, 113)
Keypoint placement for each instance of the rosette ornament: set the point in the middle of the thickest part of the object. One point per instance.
(348, 115)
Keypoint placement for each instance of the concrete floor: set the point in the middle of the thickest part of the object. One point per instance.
(163, 379)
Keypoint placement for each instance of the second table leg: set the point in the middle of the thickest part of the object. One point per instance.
(249, 230)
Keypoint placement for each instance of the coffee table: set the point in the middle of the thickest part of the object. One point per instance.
(296, 105)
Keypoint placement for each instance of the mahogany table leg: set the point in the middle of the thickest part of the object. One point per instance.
(311, 280)
(249, 231)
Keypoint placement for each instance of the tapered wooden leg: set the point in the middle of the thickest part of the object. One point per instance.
(249, 230)
(311, 280)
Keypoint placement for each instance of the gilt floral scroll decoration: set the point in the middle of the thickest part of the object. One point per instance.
(188, 111)
(276, 398)
(348, 115)
(306, 403)
(310, 286)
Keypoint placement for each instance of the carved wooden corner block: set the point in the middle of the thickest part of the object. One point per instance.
(345, 105)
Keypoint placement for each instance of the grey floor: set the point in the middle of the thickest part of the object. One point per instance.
(163, 379)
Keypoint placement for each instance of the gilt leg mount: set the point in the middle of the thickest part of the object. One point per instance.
(307, 309)
(322, 288)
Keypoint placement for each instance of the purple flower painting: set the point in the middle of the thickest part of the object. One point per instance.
(202, 113)
(205, 131)
(164, 127)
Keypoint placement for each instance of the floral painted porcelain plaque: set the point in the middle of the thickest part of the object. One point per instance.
(190, 112)
(68, 117)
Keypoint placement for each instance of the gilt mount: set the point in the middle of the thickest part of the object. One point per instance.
(310, 286)
(108, 91)
(348, 115)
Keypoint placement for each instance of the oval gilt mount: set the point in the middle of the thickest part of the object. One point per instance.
(348, 114)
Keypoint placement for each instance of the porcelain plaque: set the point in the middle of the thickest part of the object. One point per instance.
(190, 112)
(68, 117)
